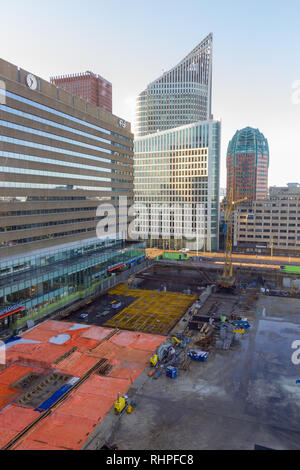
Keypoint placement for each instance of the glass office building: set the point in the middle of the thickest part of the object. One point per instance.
(60, 158)
(180, 96)
(180, 167)
(248, 165)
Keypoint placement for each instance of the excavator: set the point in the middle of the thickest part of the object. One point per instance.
(227, 280)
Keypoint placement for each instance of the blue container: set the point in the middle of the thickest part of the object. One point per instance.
(171, 372)
(244, 324)
(198, 355)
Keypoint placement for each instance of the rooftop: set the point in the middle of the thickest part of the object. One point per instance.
(78, 75)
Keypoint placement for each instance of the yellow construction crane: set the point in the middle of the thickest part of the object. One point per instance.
(272, 245)
(227, 279)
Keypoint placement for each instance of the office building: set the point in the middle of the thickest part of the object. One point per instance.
(61, 158)
(222, 193)
(179, 96)
(271, 225)
(180, 167)
(247, 165)
(89, 86)
(177, 154)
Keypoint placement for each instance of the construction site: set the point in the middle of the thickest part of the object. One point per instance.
(192, 351)
(170, 359)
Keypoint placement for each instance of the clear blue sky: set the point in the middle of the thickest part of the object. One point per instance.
(255, 57)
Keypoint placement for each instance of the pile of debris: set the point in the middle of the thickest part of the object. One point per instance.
(226, 336)
(173, 352)
(205, 337)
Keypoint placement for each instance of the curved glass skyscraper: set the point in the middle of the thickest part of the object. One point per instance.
(247, 165)
(180, 96)
(177, 155)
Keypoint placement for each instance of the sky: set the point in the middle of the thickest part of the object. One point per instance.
(256, 66)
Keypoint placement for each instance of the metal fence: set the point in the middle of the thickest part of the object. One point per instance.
(112, 281)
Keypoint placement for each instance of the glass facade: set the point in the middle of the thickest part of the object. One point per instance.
(177, 151)
(55, 112)
(181, 166)
(180, 96)
(59, 159)
(50, 278)
(247, 165)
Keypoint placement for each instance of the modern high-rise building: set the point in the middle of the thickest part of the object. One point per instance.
(180, 96)
(247, 165)
(89, 86)
(180, 167)
(177, 154)
(61, 158)
(270, 226)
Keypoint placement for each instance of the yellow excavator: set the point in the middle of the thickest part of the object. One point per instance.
(176, 340)
(227, 280)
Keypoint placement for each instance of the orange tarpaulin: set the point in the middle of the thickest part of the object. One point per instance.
(87, 405)
(148, 342)
(77, 364)
(16, 418)
(125, 338)
(95, 332)
(41, 352)
(6, 435)
(14, 373)
(75, 418)
(40, 334)
(60, 430)
(129, 370)
(7, 395)
(56, 326)
(110, 350)
(137, 340)
(30, 444)
(51, 328)
(84, 344)
(105, 386)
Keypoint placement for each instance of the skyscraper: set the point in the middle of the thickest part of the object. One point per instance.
(180, 96)
(180, 168)
(177, 152)
(247, 165)
(89, 86)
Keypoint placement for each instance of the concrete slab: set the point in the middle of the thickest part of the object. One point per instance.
(238, 398)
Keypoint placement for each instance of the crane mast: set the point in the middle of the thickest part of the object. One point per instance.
(227, 280)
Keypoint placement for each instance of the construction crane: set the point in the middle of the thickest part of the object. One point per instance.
(272, 245)
(227, 280)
